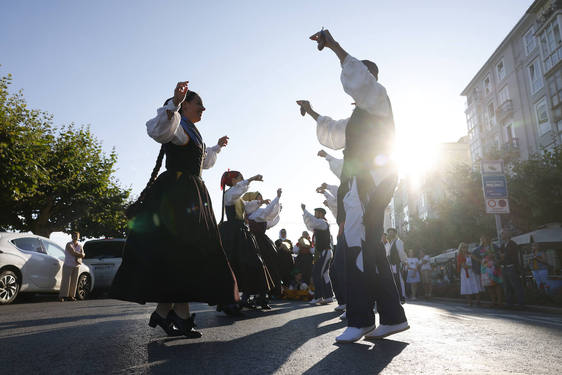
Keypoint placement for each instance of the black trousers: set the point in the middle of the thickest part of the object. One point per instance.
(322, 289)
(337, 271)
(376, 282)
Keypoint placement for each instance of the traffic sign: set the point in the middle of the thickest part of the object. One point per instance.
(497, 206)
(495, 186)
(491, 167)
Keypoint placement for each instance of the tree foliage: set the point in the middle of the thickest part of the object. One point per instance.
(54, 179)
(535, 198)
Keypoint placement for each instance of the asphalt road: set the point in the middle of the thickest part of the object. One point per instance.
(111, 337)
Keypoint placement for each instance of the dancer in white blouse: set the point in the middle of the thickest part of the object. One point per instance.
(260, 220)
(336, 165)
(317, 223)
(173, 235)
(368, 180)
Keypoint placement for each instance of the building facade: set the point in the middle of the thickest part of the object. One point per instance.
(514, 103)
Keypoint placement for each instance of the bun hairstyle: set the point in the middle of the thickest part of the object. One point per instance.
(227, 177)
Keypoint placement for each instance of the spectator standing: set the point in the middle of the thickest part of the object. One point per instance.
(470, 281)
(413, 272)
(539, 267)
(425, 269)
(73, 254)
(490, 272)
(511, 269)
(396, 257)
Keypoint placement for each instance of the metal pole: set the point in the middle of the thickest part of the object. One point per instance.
(499, 228)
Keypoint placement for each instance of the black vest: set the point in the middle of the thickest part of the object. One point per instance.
(231, 215)
(394, 257)
(187, 159)
(322, 240)
(367, 138)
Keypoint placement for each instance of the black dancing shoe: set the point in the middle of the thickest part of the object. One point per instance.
(185, 326)
(230, 310)
(165, 324)
(265, 306)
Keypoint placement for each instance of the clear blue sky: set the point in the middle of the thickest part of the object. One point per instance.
(110, 64)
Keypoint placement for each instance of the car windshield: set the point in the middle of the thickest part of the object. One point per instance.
(104, 249)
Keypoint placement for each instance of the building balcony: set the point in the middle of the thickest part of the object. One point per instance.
(512, 145)
(505, 109)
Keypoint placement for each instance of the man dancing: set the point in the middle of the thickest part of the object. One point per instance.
(368, 181)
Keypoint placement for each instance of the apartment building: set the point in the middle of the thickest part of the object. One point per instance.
(514, 101)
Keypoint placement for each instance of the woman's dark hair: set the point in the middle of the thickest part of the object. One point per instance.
(188, 97)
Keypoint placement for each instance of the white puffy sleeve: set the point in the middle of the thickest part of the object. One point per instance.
(332, 203)
(336, 165)
(268, 213)
(164, 129)
(274, 222)
(331, 133)
(235, 192)
(312, 222)
(363, 87)
(332, 189)
(211, 156)
(251, 206)
(401, 252)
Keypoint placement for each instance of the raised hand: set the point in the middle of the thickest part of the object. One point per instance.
(257, 177)
(223, 141)
(322, 153)
(266, 201)
(324, 39)
(305, 106)
(320, 190)
(303, 206)
(279, 191)
(180, 92)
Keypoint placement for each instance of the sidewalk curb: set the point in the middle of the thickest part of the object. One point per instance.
(534, 308)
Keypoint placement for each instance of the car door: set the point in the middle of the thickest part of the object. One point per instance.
(39, 267)
(57, 253)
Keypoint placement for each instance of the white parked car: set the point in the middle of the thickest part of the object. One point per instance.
(104, 258)
(30, 263)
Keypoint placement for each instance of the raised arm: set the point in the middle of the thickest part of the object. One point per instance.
(268, 213)
(165, 127)
(211, 153)
(312, 222)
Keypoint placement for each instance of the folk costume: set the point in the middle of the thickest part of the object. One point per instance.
(368, 180)
(173, 252)
(239, 243)
(304, 259)
(323, 248)
(284, 248)
(397, 257)
(259, 220)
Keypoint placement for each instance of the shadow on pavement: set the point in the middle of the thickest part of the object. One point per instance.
(263, 352)
(359, 358)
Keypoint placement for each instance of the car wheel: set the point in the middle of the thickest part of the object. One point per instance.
(9, 287)
(84, 286)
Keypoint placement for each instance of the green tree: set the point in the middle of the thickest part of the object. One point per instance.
(54, 179)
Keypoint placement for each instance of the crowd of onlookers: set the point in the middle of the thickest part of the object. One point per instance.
(495, 270)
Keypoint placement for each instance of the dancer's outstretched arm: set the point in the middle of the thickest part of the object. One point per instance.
(165, 127)
(336, 165)
(211, 153)
(313, 222)
(239, 189)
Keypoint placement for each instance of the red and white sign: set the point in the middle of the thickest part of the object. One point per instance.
(497, 206)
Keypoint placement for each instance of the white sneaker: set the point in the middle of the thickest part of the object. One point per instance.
(352, 334)
(383, 331)
(329, 300)
(315, 301)
(340, 308)
(343, 316)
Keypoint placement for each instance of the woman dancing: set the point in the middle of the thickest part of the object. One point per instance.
(173, 254)
(239, 243)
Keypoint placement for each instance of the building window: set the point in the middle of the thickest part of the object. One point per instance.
(555, 88)
(509, 132)
(529, 41)
(503, 95)
(491, 116)
(487, 85)
(542, 117)
(550, 45)
(500, 69)
(535, 76)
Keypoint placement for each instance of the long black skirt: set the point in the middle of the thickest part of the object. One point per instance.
(286, 264)
(173, 251)
(269, 254)
(243, 254)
